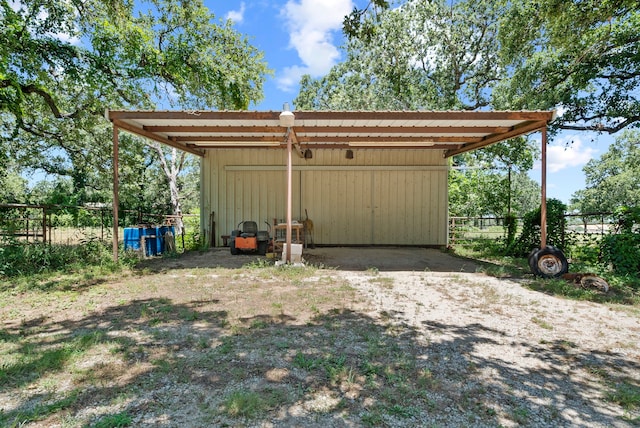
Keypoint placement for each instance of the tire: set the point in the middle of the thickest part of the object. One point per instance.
(548, 262)
(232, 247)
(595, 282)
(262, 247)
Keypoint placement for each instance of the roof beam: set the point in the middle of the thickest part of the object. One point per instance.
(326, 139)
(402, 129)
(194, 115)
(517, 131)
(154, 137)
(332, 129)
(425, 115)
(230, 139)
(226, 129)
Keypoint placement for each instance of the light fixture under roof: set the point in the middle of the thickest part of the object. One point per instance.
(287, 119)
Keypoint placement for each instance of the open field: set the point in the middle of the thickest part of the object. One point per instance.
(363, 337)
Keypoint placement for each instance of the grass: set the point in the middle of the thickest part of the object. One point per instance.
(39, 411)
(542, 323)
(625, 289)
(625, 394)
(238, 347)
(122, 419)
(251, 404)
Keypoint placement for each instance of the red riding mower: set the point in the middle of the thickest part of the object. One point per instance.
(247, 238)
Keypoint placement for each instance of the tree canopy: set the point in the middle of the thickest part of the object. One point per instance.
(582, 57)
(612, 181)
(63, 62)
(78, 56)
(420, 55)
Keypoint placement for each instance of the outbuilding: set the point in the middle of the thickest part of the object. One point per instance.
(363, 177)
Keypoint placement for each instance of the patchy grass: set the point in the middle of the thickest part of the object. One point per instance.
(257, 345)
(122, 419)
(624, 290)
(251, 404)
(626, 394)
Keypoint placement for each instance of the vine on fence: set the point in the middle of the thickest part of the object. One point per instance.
(529, 238)
(621, 250)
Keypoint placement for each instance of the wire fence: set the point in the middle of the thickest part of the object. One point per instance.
(72, 225)
(463, 230)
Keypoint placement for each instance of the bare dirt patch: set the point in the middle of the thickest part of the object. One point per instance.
(377, 337)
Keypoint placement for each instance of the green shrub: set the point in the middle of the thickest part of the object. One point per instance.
(530, 236)
(26, 258)
(511, 226)
(192, 238)
(622, 253)
(627, 219)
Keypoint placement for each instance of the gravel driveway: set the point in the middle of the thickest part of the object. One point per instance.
(552, 360)
(377, 337)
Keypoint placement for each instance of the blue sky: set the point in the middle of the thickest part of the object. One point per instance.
(303, 36)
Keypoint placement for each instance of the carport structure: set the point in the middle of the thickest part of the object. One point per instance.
(366, 177)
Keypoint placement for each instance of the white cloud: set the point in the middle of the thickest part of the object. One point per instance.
(568, 152)
(15, 5)
(560, 110)
(311, 26)
(237, 16)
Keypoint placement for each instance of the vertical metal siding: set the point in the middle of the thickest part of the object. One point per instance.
(375, 198)
(339, 203)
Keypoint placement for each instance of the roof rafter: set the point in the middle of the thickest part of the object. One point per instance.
(452, 132)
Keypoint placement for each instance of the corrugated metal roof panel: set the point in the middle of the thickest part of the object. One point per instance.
(195, 131)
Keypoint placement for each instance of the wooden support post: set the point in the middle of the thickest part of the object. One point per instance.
(289, 192)
(115, 193)
(44, 225)
(543, 203)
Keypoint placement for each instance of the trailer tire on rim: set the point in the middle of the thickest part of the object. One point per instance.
(548, 262)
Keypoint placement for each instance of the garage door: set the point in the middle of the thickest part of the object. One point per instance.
(379, 207)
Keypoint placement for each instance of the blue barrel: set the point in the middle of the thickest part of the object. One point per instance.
(132, 238)
(154, 241)
(153, 244)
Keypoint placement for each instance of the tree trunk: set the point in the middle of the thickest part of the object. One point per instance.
(171, 170)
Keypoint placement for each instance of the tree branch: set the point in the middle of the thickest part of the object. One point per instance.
(600, 127)
(48, 99)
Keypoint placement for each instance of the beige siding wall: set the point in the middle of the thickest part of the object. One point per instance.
(379, 197)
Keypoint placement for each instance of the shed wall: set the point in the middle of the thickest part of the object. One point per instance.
(380, 197)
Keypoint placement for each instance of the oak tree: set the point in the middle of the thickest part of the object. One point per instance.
(63, 62)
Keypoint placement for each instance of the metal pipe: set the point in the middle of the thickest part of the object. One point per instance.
(289, 191)
(543, 203)
(115, 193)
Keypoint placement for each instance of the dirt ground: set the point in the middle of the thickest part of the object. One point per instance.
(389, 337)
(339, 258)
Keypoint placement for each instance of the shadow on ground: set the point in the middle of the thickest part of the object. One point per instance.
(340, 258)
(153, 362)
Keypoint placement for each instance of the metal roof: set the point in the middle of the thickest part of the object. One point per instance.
(453, 132)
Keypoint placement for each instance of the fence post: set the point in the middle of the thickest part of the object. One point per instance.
(453, 230)
(44, 225)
